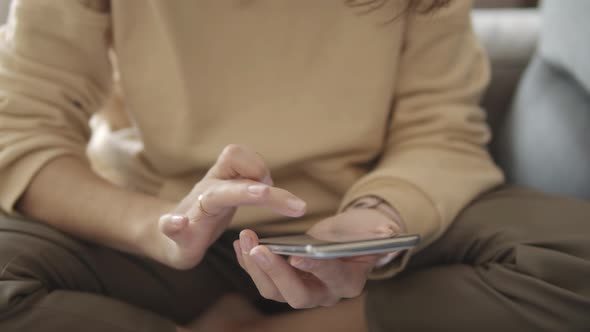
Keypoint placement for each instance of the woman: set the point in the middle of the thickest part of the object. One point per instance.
(355, 117)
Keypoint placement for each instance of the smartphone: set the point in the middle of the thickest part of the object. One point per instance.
(308, 246)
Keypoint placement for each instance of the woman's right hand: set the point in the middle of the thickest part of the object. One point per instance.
(239, 177)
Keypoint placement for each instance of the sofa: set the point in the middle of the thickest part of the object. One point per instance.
(538, 102)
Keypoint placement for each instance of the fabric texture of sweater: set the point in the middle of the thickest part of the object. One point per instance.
(341, 103)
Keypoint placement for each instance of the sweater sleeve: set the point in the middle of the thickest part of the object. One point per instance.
(54, 73)
(435, 159)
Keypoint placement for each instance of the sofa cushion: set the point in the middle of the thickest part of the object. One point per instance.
(544, 142)
(565, 39)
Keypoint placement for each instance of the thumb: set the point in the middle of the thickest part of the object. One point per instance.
(355, 225)
(172, 224)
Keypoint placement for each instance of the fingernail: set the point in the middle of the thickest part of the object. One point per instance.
(301, 263)
(176, 220)
(268, 180)
(246, 243)
(257, 189)
(385, 230)
(295, 204)
(261, 259)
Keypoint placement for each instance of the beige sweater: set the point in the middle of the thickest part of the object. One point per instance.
(340, 104)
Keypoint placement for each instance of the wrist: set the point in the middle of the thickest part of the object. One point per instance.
(376, 203)
(144, 232)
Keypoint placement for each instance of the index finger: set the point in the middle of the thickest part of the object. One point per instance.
(233, 193)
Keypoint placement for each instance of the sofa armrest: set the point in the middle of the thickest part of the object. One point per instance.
(510, 39)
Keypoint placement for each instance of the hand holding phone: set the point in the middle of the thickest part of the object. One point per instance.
(303, 280)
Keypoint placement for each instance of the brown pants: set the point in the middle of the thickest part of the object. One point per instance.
(513, 261)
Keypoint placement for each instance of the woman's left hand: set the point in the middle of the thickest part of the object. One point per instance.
(305, 282)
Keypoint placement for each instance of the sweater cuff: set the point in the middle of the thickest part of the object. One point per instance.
(414, 206)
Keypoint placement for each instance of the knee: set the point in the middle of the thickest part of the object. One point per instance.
(516, 222)
(528, 211)
(560, 262)
(30, 264)
(20, 277)
(542, 236)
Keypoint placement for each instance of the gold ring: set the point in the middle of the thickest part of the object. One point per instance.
(205, 213)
